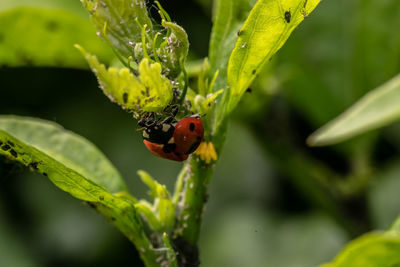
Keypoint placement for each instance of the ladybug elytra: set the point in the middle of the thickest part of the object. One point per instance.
(173, 140)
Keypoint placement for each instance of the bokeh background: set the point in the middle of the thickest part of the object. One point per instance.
(273, 200)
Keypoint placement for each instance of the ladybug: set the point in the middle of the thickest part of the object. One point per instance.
(173, 140)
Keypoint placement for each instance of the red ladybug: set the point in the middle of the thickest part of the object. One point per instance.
(174, 140)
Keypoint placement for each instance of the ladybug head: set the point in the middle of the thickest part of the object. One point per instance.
(188, 134)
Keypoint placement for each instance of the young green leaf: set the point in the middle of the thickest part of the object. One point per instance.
(149, 213)
(170, 251)
(267, 28)
(160, 215)
(43, 37)
(177, 49)
(148, 92)
(376, 109)
(121, 21)
(370, 250)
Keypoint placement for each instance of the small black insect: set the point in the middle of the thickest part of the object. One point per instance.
(13, 153)
(5, 147)
(125, 97)
(288, 16)
(34, 165)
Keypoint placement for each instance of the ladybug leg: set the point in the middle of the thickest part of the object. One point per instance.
(172, 110)
(175, 109)
(168, 120)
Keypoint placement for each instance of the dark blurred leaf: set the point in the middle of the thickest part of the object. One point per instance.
(44, 37)
(67, 5)
(13, 250)
(246, 236)
(323, 72)
(376, 109)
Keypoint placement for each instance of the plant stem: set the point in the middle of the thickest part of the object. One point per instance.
(196, 179)
(192, 194)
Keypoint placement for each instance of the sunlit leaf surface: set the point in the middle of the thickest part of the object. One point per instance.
(267, 28)
(148, 91)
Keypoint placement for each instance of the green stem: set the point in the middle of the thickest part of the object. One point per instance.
(133, 230)
(196, 178)
(192, 193)
(186, 78)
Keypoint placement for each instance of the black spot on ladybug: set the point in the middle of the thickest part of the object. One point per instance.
(13, 153)
(52, 26)
(125, 97)
(5, 147)
(288, 16)
(191, 127)
(193, 147)
(168, 148)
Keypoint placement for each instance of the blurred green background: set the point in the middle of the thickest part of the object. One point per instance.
(273, 201)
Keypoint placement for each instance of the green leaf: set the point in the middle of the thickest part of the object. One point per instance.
(229, 17)
(376, 109)
(370, 250)
(122, 22)
(170, 251)
(149, 213)
(178, 47)
(68, 149)
(76, 166)
(148, 92)
(160, 215)
(44, 37)
(267, 28)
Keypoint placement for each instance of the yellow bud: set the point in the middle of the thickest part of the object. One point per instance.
(206, 152)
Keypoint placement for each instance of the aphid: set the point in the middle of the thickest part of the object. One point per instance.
(288, 16)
